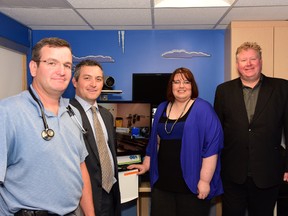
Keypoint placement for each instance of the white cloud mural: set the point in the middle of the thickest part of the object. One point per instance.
(98, 58)
(183, 54)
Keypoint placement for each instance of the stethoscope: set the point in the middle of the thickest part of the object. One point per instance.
(48, 133)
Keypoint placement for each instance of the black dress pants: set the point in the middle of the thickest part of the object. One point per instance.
(165, 203)
(239, 198)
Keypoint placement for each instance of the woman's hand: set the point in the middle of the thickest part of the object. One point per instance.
(141, 168)
(203, 189)
(206, 174)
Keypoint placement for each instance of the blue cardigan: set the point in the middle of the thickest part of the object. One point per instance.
(202, 137)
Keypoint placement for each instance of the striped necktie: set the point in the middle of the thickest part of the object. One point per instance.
(106, 166)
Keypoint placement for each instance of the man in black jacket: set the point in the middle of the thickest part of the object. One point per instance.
(88, 81)
(253, 110)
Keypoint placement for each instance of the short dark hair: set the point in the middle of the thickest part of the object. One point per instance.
(185, 73)
(86, 62)
(50, 42)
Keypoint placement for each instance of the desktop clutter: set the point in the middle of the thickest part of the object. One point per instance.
(135, 132)
(133, 137)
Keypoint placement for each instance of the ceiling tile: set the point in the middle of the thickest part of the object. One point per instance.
(116, 16)
(123, 27)
(34, 4)
(261, 2)
(96, 4)
(256, 13)
(188, 16)
(183, 27)
(44, 16)
(60, 27)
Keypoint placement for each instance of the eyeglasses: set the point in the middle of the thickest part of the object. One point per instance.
(52, 64)
(178, 82)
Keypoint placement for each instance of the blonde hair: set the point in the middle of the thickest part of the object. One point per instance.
(249, 45)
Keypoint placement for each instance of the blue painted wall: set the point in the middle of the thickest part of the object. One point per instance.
(14, 31)
(142, 54)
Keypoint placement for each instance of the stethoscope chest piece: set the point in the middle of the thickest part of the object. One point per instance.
(47, 134)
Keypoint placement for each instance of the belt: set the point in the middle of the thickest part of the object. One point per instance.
(25, 212)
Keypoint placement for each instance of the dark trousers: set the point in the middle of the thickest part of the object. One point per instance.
(282, 202)
(239, 198)
(107, 204)
(165, 203)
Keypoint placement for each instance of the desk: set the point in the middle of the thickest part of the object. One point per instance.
(126, 142)
(143, 201)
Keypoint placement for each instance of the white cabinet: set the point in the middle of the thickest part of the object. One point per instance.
(281, 52)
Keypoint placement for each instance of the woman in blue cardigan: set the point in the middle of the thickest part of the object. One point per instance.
(183, 151)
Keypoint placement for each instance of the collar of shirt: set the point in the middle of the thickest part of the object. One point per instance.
(63, 103)
(256, 86)
(86, 106)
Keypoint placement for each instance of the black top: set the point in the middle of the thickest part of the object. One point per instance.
(170, 172)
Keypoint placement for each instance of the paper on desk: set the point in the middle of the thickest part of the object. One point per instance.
(128, 182)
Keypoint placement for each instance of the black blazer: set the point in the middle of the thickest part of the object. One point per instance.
(259, 142)
(92, 160)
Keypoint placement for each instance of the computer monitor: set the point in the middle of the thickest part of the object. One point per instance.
(132, 121)
(150, 87)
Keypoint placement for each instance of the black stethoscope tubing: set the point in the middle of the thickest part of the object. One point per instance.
(48, 133)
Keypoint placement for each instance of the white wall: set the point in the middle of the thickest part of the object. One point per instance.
(11, 72)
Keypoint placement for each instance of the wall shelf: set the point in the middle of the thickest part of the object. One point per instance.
(111, 92)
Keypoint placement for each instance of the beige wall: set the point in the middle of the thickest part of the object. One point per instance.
(12, 72)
